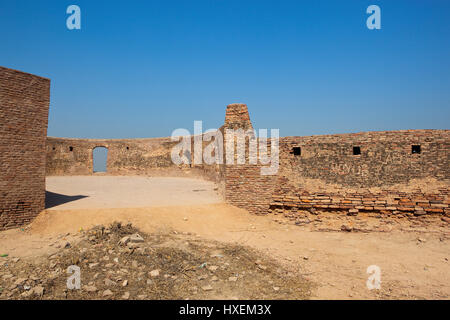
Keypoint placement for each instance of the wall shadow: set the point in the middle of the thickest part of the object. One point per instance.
(55, 199)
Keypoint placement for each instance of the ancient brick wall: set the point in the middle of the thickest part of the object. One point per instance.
(346, 166)
(245, 187)
(323, 172)
(385, 158)
(125, 156)
(24, 104)
(287, 197)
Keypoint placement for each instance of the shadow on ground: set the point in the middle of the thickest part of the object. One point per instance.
(55, 199)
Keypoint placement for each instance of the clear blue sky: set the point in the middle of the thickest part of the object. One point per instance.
(145, 68)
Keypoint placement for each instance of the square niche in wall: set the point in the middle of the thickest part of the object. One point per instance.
(356, 151)
(415, 149)
(296, 151)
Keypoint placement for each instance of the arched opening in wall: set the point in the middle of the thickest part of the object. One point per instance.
(100, 156)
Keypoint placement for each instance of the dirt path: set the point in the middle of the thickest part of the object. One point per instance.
(413, 265)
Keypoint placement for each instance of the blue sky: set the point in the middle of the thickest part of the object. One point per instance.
(145, 68)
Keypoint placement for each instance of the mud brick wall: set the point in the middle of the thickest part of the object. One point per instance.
(347, 162)
(151, 156)
(385, 158)
(24, 105)
(237, 116)
(245, 187)
(386, 161)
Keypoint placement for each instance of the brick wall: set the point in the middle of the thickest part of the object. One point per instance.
(383, 160)
(151, 156)
(245, 187)
(24, 104)
(287, 197)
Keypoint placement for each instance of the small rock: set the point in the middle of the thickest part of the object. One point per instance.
(124, 283)
(213, 268)
(20, 281)
(107, 293)
(262, 267)
(90, 288)
(136, 238)
(276, 288)
(346, 228)
(207, 288)
(126, 295)
(109, 282)
(38, 291)
(232, 279)
(124, 241)
(154, 273)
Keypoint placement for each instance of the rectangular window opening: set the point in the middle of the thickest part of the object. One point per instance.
(415, 149)
(297, 151)
(356, 151)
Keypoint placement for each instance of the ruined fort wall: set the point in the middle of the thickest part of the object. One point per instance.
(24, 104)
(369, 171)
(150, 156)
(386, 158)
(389, 175)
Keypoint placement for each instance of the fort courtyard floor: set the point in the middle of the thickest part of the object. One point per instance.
(414, 262)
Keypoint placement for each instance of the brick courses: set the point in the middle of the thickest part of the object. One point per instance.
(24, 104)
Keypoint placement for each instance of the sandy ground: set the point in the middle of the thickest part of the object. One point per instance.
(93, 192)
(414, 265)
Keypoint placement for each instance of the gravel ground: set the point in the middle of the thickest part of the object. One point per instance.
(120, 262)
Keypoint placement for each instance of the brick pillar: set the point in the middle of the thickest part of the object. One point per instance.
(245, 187)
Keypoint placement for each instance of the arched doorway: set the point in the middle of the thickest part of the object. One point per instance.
(100, 157)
